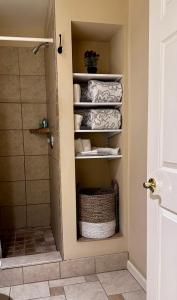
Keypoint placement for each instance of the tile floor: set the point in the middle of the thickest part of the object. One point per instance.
(117, 285)
(27, 242)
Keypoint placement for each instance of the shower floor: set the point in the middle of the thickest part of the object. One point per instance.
(27, 242)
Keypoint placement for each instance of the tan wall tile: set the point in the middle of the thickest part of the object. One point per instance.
(13, 217)
(33, 87)
(9, 60)
(11, 142)
(12, 168)
(9, 88)
(33, 90)
(112, 262)
(33, 114)
(10, 116)
(37, 191)
(10, 277)
(55, 200)
(31, 64)
(37, 167)
(77, 267)
(41, 272)
(35, 144)
(38, 215)
(12, 193)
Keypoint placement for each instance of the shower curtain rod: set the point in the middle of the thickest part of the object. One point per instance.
(25, 39)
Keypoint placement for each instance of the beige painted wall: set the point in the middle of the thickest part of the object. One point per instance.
(114, 12)
(138, 98)
(79, 48)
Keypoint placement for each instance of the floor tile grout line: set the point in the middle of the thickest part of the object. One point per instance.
(103, 288)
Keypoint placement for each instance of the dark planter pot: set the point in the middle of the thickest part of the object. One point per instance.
(92, 70)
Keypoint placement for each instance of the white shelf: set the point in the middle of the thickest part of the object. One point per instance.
(98, 157)
(25, 39)
(84, 77)
(89, 104)
(98, 131)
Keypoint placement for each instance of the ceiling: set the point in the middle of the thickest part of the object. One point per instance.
(23, 17)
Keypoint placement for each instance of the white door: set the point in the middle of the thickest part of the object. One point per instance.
(162, 152)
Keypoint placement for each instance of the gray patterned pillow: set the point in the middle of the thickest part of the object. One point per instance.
(100, 91)
(102, 118)
(85, 97)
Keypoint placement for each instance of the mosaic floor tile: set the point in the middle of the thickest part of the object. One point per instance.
(27, 242)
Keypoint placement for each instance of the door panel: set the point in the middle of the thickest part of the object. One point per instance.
(162, 151)
(169, 100)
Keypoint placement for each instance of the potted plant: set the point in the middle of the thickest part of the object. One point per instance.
(91, 60)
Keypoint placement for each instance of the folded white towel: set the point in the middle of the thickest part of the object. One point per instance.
(107, 151)
(101, 151)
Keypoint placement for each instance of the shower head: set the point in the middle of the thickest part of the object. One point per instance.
(37, 48)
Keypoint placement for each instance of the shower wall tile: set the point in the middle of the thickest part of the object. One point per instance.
(33, 114)
(12, 168)
(24, 166)
(35, 144)
(10, 116)
(37, 167)
(38, 215)
(13, 217)
(9, 88)
(38, 191)
(31, 64)
(9, 61)
(11, 142)
(12, 193)
(33, 87)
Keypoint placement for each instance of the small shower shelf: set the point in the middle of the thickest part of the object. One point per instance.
(40, 131)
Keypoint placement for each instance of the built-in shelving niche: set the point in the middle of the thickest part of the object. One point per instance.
(107, 40)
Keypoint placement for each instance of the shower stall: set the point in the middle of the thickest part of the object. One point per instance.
(29, 161)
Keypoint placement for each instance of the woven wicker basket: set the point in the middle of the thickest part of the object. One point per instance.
(97, 213)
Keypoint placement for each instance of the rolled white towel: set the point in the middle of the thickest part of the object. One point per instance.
(76, 92)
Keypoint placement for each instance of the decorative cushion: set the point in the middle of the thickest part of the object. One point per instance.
(100, 91)
(102, 118)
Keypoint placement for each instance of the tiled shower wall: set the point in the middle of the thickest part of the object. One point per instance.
(24, 167)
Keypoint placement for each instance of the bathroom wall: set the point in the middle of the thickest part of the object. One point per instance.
(53, 117)
(138, 104)
(24, 168)
(107, 12)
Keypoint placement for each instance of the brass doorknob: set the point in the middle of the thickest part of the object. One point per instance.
(151, 185)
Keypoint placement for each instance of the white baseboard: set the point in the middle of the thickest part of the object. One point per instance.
(136, 274)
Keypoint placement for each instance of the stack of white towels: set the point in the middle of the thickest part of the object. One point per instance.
(83, 147)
